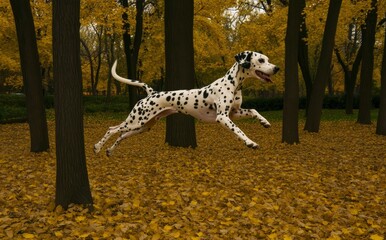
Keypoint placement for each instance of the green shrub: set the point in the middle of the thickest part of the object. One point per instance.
(13, 106)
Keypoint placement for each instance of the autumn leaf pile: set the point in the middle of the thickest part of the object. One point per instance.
(331, 186)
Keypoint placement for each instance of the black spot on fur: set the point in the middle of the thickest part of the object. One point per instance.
(168, 98)
(206, 94)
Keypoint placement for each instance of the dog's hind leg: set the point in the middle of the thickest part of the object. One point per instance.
(120, 138)
(129, 133)
(111, 131)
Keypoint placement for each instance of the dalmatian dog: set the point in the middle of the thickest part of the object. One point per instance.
(218, 102)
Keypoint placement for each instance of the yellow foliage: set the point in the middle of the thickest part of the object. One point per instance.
(222, 28)
(376, 237)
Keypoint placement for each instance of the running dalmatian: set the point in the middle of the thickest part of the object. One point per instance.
(217, 102)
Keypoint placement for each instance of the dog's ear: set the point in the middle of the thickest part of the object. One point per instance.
(244, 59)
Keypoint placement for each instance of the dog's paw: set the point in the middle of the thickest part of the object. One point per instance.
(252, 145)
(109, 152)
(96, 149)
(266, 124)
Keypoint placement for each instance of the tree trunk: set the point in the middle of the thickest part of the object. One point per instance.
(109, 46)
(72, 185)
(364, 114)
(350, 77)
(381, 122)
(330, 84)
(131, 52)
(303, 54)
(180, 129)
(89, 57)
(138, 36)
(323, 70)
(290, 131)
(32, 79)
(99, 59)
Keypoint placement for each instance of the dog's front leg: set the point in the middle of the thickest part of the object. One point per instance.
(250, 113)
(225, 121)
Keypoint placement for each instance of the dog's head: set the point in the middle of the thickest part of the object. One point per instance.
(257, 64)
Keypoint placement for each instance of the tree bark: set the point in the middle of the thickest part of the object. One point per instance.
(180, 129)
(72, 185)
(381, 121)
(290, 131)
(366, 76)
(323, 70)
(32, 78)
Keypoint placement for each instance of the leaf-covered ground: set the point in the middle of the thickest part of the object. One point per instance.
(331, 186)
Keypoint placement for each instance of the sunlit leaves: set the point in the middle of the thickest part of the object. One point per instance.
(331, 186)
(222, 28)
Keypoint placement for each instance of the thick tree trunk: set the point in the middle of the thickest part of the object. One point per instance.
(366, 81)
(72, 185)
(381, 122)
(32, 78)
(323, 70)
(180, 129)
(290, 132)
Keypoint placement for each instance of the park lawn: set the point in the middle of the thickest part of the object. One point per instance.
(331, 185)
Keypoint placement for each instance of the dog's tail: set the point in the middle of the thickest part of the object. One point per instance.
(136, 83)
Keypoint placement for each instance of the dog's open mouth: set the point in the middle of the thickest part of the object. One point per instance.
(263, 76)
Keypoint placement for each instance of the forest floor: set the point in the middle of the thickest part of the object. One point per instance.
(330, 186)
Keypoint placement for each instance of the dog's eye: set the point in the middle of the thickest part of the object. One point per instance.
(261, 60)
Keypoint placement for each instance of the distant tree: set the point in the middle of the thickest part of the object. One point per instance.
(303, 58)
(367, 68)
(381, 122)
(290, 132)
(72, 185)
(180, 129)
(323, 71)
(350, 77)
(132, 50)
(110, 55)
(32, 78)
(91, 54)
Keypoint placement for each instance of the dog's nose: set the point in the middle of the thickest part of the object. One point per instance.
(276, 69)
